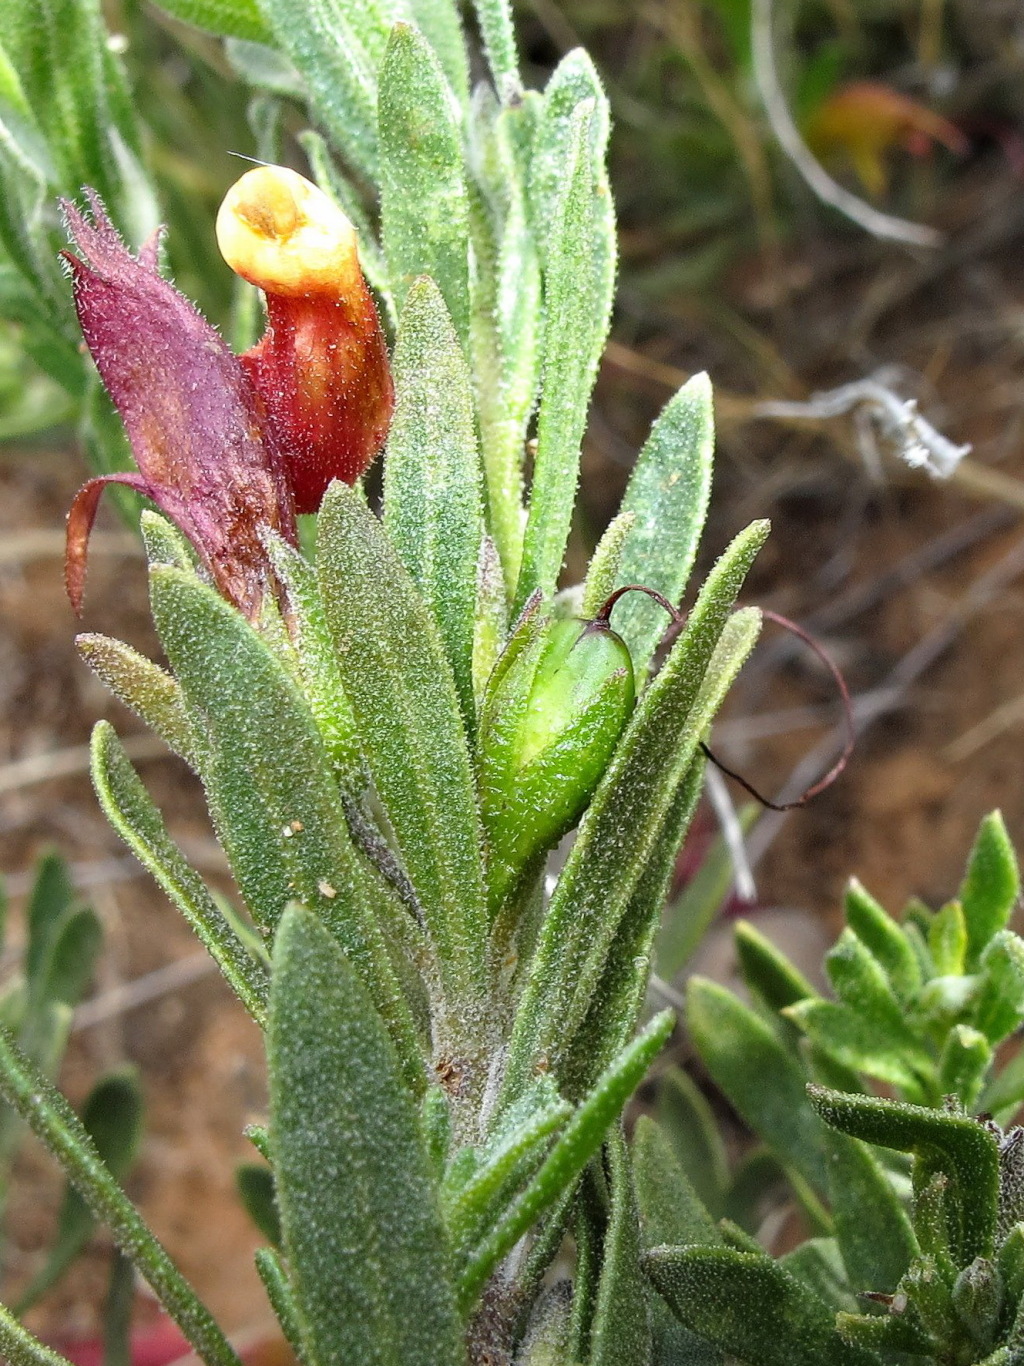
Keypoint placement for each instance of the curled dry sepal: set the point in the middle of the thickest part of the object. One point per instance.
(229, 446)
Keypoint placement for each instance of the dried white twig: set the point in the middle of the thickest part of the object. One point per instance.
(732, 835)
(828, 190)
(896, 420)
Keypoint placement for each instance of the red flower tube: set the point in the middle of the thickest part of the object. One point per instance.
(321, 368)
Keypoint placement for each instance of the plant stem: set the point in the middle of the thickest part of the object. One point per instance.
(56, 1125)
(21, 1348)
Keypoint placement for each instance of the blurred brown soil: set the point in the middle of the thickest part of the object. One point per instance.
(902, 817)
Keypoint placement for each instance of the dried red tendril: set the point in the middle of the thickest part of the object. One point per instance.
(826, 781)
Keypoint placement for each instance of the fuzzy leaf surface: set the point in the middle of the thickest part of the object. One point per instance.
(759, 1075)
(990, 887)
(958, 1146)
(620, 1332)
(752, 1307)
(577, 307)
(135, 817)
(433, 496)
(270, 785)
(668, 495)
(361, 1229)
(402, 692)
(424, 210)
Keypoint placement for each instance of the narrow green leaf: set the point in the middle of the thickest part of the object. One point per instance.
(433, 499)
(495, 20)
(960, 1147)
(403, 695)
(865, 1045)
(767, 971)
(761, 1078)
(490, 617)
(361, 1229)
(947, 940)
(576, 1145)
(72, 957)
(670, 1208)
(966, 1058)
(990, 887)
(317, 666)
(603, 572)
(117, 1312)
(282, 825)
(688, 1123)
(148, 690)
(620, 1334)
(577, 307)
(511, 1157)
(255, 1184)
(48, 903)
(60, 1130)
(128, 807)
(620, 995)
(441, 24)
(270, 1269)
(112, 1117)
(229, 18)
(750, 1306)
(626, 815)
(999, 1003)
(424, 211)
(668, 496)
(164, 543)
(875, 1236)
(327, 49)
(886, 940)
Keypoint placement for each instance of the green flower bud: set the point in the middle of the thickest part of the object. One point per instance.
(549, 727)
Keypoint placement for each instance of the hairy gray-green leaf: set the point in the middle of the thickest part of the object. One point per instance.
(751, 1306)
(495, 20)
(991, 886)
(433, 503)
(668, 496)
(762, 1079)
(324, 43)
(424, 211)
(619, 997)
(574, 1148)
(402, 692)
(620, 1333)
(150, 691)
(603, 571)
(132, 813)
(626, 815)
(441, 24)
(879, 933)
(578, 283)
(270, 785)
(361, 1228)
(689, 1124)
(875, 1235)
(959, 1147)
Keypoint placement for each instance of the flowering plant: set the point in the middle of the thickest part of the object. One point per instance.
(398, 716)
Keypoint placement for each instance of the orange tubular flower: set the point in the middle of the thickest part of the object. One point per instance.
(321, 369)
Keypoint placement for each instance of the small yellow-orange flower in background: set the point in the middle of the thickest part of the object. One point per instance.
(321, 368)
(868, 119)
